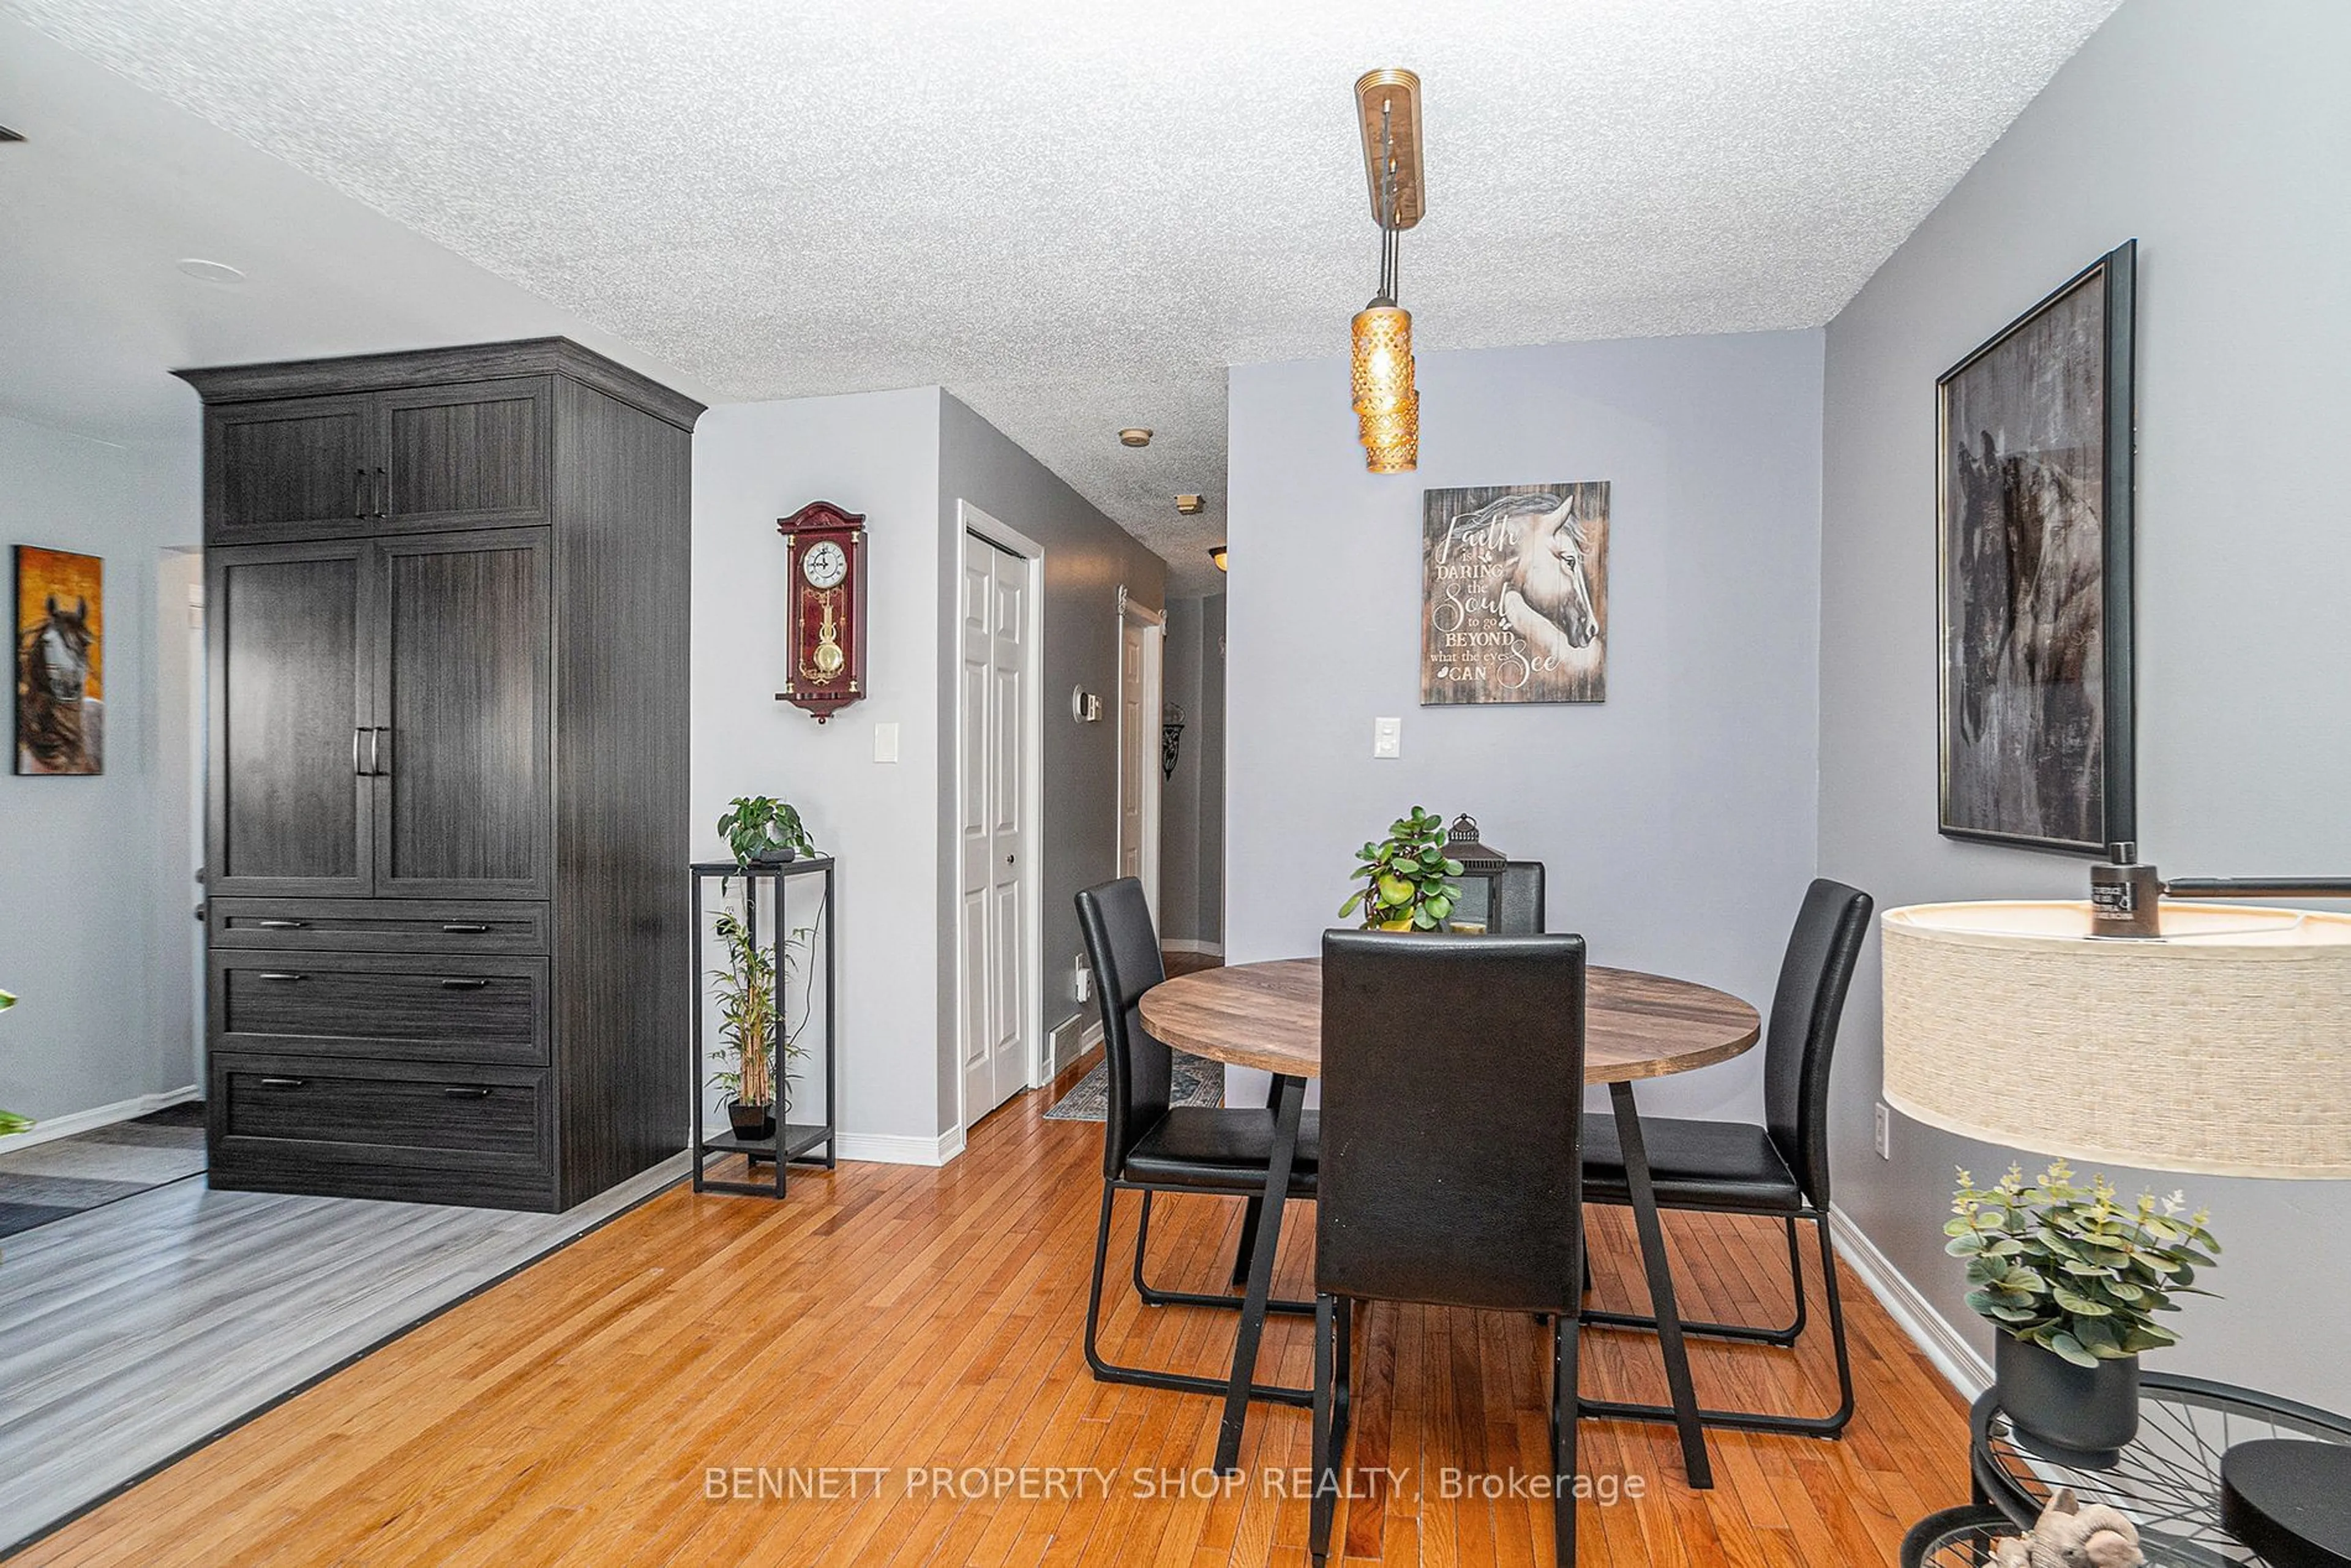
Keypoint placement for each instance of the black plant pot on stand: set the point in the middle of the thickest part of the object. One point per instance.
(2080, 1416)
(751, 1121)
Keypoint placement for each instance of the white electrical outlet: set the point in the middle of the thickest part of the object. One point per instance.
(1387, 737)
(1081, 986)
(1884, 1131)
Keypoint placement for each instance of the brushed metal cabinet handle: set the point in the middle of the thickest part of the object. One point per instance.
(285, 1082)
(462, 985)
(463, 929)
(280, 975)
(466, 1091)
(282, 924)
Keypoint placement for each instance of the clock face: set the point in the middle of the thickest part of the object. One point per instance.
(825, 564)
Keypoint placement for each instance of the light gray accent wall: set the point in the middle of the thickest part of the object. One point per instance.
(1179, 801)
(79, 920)
(1677, 819)
(874, 452)
(2217, 136)
(1087, 558)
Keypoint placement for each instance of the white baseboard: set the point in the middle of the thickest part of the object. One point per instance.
(892, 1149)
(1186, 944)
(52, 1128)
(1959, 1362)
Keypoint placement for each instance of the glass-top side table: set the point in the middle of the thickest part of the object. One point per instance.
(2168, 1480)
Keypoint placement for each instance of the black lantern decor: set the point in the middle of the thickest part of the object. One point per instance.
(1499, 895)
(1171, 739)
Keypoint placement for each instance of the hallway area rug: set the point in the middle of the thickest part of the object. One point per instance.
(70, 1176)
(1195, 1080)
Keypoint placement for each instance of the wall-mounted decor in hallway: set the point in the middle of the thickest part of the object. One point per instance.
(2034, 559)
(60, 665)
(1514, 594)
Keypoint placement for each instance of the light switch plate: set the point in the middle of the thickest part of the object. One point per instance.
(1882, 1133)
(885, 743)
(1387, 737)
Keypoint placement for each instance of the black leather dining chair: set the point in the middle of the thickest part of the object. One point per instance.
(1152, 1146)
(1779, 1170)
(1518, 899)
(1452, 1093)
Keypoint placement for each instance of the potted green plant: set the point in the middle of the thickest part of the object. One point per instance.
(764, 832)
(749, 1029)
(1405, 878)
(9, 1121)
(2071, 1277)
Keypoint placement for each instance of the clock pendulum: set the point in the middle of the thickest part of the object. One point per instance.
(827, 655)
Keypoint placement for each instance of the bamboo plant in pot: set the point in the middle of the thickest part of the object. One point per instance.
(1405, 877)
(2071, 1277)
(750, 1026)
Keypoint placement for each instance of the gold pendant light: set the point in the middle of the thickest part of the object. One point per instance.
(1388, 405)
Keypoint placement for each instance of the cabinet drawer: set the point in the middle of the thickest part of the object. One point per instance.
(379, 925)
(424, 1134)
(419, 1008)
(348, 1106)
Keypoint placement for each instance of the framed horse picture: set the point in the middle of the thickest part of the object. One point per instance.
(2033, 569)
(60, 662)
(1514, 594)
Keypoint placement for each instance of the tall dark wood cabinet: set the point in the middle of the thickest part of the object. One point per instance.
(446, 602)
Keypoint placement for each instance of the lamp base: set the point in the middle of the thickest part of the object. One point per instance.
(2290, 1500)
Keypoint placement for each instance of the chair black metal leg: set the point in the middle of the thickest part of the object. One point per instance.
(1661, 1286)
(1153, 1296)
(1744, 1334)
(1325, 1499)
(1107, 1371)
(1249, 1217)
(1828, 1426)
(1562, 1437)
(1292, 1097)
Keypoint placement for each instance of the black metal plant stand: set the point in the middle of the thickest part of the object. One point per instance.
(794, 1141)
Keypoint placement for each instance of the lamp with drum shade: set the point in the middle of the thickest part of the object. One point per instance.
(2139, 1029)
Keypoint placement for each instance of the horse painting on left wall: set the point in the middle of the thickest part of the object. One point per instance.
(60, 665)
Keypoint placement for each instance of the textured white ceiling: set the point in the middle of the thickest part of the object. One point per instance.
(1075, 213)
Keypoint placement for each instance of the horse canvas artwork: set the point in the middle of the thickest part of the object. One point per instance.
(2035, 613)
(1514, 594)
(60, 664)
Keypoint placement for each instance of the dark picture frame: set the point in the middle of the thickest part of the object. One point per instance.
(2034, 614)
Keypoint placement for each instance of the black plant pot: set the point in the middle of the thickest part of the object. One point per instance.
(775, 854)
(2078, 1416)
(751, 1121)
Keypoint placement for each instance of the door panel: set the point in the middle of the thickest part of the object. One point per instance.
(466, 457)
(289, 814)
(464, 802)
(993, 847)
(296, 468)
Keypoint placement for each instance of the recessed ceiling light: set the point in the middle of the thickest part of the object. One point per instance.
(1191, 506)
(1135, 435)
(218, 273)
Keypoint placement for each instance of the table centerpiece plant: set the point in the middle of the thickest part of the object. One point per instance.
(1405, 877)
(9, 1121)
(2073, 1277)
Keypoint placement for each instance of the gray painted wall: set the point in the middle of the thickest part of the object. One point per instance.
(79, 928)
(876, 453)
(2218, 136)
(1677, 818)
(1087, 558)
(1179, 801)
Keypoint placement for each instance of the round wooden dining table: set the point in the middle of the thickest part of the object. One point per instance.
(1637, 1026)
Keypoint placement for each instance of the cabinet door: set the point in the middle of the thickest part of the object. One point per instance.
(288, 812)
(466, 456)
(296, 468)
(465, 802)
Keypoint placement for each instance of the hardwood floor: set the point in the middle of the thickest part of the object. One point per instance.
(903, 1318)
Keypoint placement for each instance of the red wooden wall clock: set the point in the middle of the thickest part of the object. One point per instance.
(827, 554)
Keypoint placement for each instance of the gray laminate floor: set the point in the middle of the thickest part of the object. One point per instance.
(130, 1333)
